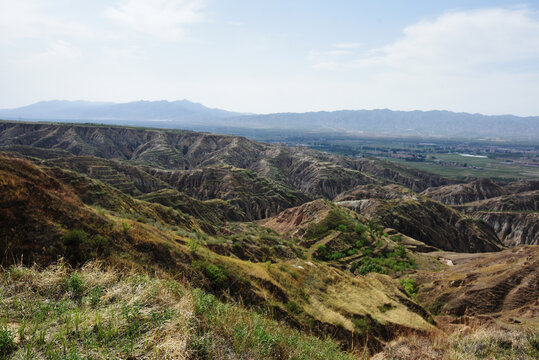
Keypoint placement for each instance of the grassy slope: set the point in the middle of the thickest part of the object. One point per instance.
(97, 312)
(307, 295)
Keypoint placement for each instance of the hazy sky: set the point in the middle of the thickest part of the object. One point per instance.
(272, 56)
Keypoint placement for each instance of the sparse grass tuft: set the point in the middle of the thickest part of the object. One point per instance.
(7, 342)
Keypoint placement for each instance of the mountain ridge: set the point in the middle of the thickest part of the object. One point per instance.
(175, 114)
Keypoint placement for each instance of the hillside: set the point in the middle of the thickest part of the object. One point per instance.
(47, 218)
(193, 245)
(418, 217)
(511, 209)
(187, 159)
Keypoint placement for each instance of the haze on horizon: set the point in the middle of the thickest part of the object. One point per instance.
(473, 56)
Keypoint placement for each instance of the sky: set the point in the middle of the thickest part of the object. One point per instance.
(275, 56)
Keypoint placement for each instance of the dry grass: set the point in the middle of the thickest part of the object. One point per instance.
(466, 343)
(98, 312)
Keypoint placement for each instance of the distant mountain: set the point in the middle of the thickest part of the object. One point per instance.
(400, 123)
(182, 111)
(194, 116)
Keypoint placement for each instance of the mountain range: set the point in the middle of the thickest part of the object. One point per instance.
(188, 115)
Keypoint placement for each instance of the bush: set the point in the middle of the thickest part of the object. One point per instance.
(193, 245)
(395, 238)
(400, 251)
(75, 285)
(125, 227)
(368, 265)
(80, 247)
(335, 219)
(322, 251)
(7, 342)
(74, 238)
(360, 243)
(217, 274)
(409, 285)
(94, 296)
(360, 228)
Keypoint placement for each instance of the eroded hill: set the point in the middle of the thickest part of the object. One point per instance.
(260, 243)
(511, 209)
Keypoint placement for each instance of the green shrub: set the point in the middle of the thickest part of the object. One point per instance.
(360, 228)
(217, 274)
(351, 252)
(7, 342)
(400, 251)
(193, 245)
(99, 242)
(75, 285)
(322, 251)
(80, 247)
(367, 251)
(368, 265)
(385, 307)
(335, 219)
(204, 303)
(74, 238)
(94, 296)
(396, 238)
(409, 285)
(125, 227)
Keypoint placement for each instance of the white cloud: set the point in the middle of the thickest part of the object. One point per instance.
(459, 42)
(163, 19)
(29, 19)
(353, 45)
(484, 60)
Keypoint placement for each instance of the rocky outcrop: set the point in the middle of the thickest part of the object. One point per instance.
(293, 221)
(514, 217)
(388, 192)
(521, 202)
(459, 194)
(256, 196)
(512, 227)
(128, 178)
(420, 218)
(521, 186)
(511, 209)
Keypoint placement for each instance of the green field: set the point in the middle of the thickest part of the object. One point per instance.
(491, 168)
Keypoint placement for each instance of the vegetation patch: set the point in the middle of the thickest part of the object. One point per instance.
(130, 316)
